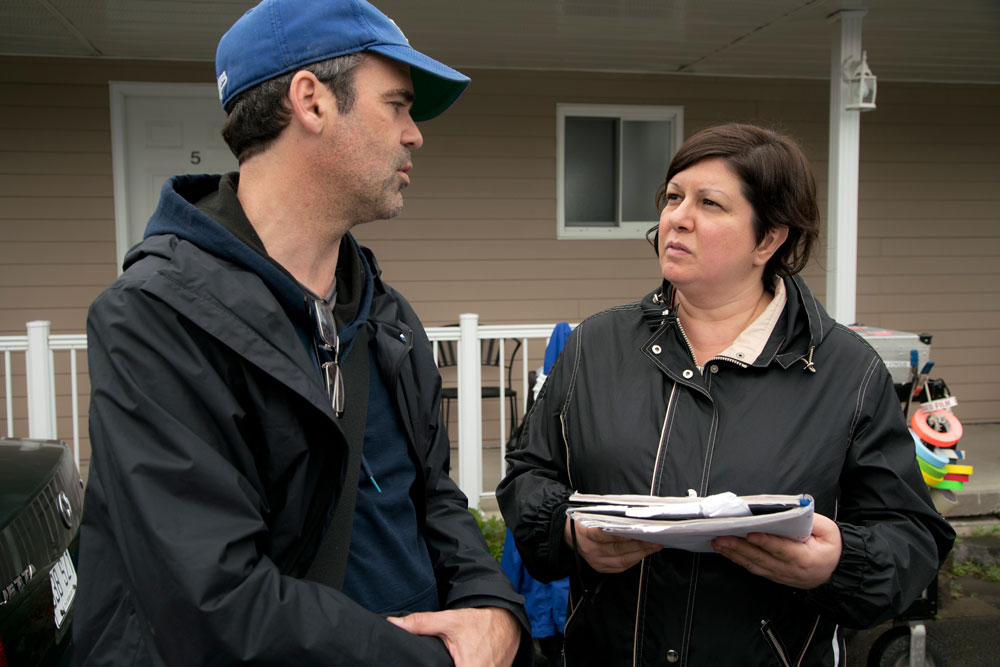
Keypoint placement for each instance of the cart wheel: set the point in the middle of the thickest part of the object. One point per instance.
(892, 649)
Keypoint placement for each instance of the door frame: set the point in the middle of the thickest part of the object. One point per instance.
(119, 91)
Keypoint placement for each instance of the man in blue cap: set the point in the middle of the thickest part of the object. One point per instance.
(269, 482)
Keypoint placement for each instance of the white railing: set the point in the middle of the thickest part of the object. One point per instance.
(39, 347)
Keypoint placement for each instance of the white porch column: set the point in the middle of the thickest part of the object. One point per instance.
(842, 197)
(41, 393)
(470, 409)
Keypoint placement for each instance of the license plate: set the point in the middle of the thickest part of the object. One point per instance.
(63, 579)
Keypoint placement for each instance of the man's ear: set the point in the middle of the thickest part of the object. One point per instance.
(309, 100)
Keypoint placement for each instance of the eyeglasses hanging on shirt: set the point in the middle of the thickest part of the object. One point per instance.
(326, 333)
(329, 340)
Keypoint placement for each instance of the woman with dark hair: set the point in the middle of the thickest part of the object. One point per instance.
(729, 377)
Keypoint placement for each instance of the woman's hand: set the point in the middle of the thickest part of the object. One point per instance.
(802, 565)
(607, 553)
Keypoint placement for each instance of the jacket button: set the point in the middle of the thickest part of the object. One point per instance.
(656, 349)
(714, 368)
(688, 374)
(673, 656)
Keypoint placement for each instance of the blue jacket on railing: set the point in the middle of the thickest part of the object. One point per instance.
(545, 603)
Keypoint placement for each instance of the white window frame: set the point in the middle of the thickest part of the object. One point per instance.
(626, 229)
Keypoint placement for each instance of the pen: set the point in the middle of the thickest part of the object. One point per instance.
(368, 471)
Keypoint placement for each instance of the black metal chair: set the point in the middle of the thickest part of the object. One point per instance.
(491, 361)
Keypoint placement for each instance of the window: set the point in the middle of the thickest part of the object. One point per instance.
(610, 160)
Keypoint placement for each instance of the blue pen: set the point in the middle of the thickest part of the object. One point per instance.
(368, 471)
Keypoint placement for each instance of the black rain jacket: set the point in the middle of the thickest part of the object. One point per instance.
(216, 456)
(625, 410)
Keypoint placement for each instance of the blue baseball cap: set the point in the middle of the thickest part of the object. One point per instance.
(281, 36)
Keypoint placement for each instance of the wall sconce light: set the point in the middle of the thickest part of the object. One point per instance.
(861, 85)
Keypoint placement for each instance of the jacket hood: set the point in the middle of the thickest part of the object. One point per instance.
(802, 327)
(181, 213)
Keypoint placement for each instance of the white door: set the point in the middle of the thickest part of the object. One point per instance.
(158, 130)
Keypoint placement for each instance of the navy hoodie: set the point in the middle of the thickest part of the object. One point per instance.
(388, 568)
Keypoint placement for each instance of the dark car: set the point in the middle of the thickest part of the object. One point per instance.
(41, 498)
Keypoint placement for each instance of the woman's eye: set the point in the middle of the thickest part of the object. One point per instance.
(673, 197)
(709, 202)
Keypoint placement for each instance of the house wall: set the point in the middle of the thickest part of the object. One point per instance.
(478, 231)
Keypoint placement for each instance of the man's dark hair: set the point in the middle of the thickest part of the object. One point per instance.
(776, 179)
(258, 115)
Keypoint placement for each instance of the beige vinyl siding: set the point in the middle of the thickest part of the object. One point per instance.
(930, 231)
(478, 231)
(57, 226)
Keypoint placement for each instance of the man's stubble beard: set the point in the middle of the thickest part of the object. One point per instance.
(387, 202)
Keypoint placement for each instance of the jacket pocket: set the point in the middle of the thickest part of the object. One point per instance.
(589, 637)
(774, 641)
(583, 598)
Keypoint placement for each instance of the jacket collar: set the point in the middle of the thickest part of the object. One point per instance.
(800, 329)
(238, 310)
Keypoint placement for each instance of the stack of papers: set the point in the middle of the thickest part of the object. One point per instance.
(691, 523)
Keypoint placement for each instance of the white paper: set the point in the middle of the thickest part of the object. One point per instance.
(661, 519)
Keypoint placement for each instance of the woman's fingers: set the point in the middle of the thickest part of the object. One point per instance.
(608, 553)
(802, 565)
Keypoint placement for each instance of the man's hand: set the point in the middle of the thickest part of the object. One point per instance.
(607, 553)
(802, 565)
(484, 636)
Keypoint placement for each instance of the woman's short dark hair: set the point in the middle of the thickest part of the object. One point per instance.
(777, 180)
(258, 115)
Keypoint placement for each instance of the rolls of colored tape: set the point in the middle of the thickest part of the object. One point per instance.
(931, 481)
(948, 484)
(944, 500)
(950, 428)
(931, 469)
(926, 453)
(958, 469)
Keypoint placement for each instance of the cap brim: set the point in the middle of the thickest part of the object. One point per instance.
(435, 85)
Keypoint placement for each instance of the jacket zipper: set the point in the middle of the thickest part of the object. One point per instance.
(680, 327)
(741, 364)
(775, 643)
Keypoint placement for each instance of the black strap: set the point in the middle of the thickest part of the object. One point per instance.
(330, 563)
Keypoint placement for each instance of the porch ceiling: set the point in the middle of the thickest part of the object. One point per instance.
(906, 40)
